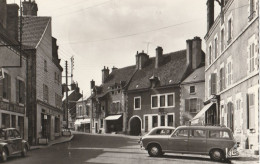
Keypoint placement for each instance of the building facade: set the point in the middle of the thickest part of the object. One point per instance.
(44, 98)
(13, 69)
(232, 69)
(83, 116)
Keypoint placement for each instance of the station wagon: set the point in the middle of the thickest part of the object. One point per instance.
(216, 141)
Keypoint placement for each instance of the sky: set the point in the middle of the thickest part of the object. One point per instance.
(109, 33)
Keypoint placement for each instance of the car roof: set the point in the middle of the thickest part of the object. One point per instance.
(204, 127)
(164, 127)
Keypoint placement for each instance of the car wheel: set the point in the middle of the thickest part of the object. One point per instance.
(24, 151)
(216, 155)
(4, 155)
(154, 150)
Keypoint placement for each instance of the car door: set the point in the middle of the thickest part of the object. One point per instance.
(18, 140)
(178, 142)
(10, 139)
(197, 141)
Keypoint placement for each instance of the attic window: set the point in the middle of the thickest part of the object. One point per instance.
(194, 77)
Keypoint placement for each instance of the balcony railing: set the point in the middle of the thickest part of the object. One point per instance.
(12, 107)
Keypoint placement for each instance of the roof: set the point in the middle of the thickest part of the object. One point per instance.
(33, 29)
(171, 71)
(197, 75)
(204, 127)
(122, 74)
(69, 93)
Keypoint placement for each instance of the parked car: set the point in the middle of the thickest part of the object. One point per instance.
(216, 141)
(12, 143)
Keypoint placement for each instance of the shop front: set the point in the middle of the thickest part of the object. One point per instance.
(114, 123)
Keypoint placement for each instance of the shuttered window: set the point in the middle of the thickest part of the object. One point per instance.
(222, 79)
(213, 84)
(251, 111)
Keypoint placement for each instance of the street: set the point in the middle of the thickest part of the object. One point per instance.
(88, 148)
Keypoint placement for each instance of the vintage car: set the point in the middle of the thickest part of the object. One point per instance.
(11, 143)
(216, 141)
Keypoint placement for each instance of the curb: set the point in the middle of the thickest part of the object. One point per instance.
(51, 144)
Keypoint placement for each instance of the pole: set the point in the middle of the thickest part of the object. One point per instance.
(67, 102)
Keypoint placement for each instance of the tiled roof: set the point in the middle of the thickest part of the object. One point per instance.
(197, 75)
(33, 30)
(170, 72)
(121, 74)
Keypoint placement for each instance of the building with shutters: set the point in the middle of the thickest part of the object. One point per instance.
(44, 96)
(232, 69)
(83, 116)
(13, 69)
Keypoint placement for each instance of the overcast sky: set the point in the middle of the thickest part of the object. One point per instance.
(109, 32)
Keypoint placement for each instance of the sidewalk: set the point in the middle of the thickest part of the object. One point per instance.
(245, 157)
(59, 140)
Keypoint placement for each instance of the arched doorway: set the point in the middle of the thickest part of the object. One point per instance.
(230, 116)
(135, 126)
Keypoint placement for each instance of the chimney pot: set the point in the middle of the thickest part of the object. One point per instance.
(30, 8)
(159, 57)
(210, 14)
(105, 73)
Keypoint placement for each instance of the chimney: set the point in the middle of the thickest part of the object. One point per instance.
(92, 84)
(30, 8)
(196, 52)
(105, 73)
(3, 12)
(73, 86)
(210, 13)
(189, 52)
(159, 57)
(114, 68)
(12, 20)
(141, 59)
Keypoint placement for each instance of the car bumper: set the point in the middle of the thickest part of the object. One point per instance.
(232, 153)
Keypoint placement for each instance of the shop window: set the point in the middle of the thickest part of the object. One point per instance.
(137, 103)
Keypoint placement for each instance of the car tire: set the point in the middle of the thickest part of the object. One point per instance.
(24, 151)
(4, 155)
(217, 155)
(154, 150)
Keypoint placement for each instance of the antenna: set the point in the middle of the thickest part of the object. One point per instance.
(72, 68)
(147, 47)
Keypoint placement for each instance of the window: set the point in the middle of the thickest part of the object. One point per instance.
(6, 87)
(181, 133)
(101, 123)
(20, 91)
(209, 86)
(250, 111)
(192, 89)
(251, 58)
(137, 103)
(155, 121)
(193, 105)
(216, 47)
(210, 49)
(45, 65)
(161, 132)
(229, 76)
(229, 30)
(162, 101)
(115, 107)
(213, 80)
(197, 133)
(58, 100)
(165, 100)
(45, 93)
(219, 134)
(222, 79)
(170, 120)
(222, 40)
(154, 101)
(163, 120)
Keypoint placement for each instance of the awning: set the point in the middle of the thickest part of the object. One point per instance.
(113, 117)
(82, 121)
(202, 111)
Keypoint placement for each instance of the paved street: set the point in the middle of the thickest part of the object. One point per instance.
(86, 148)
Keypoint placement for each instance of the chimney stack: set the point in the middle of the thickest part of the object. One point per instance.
(3, 12)
(92, 84)
(141, 59)
(114, 68)
(105, 73)
(194, 52)
(12, 20)
(210, 13)
(30, 8)
(159, 57)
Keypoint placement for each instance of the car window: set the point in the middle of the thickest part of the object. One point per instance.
(219, 134)
(16, 134)
(2, 135)
(161, 132)
(195, 133)
(181, 133)
(10, 134)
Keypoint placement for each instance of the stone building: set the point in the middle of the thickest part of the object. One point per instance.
(232, 69)
(154, 93)
(13, 71)
(44, 98)
(83, 116)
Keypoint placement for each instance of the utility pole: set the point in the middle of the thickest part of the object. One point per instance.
(67, 101)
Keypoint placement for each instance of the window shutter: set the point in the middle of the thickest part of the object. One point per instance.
(187, 105)
(1, 88)
(213, 84)
(247, 109)
(17, 91)
(252, 111)
(9, 87)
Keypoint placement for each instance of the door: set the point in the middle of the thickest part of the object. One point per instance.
(96, 127)
(178, 142)
(197, 141)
